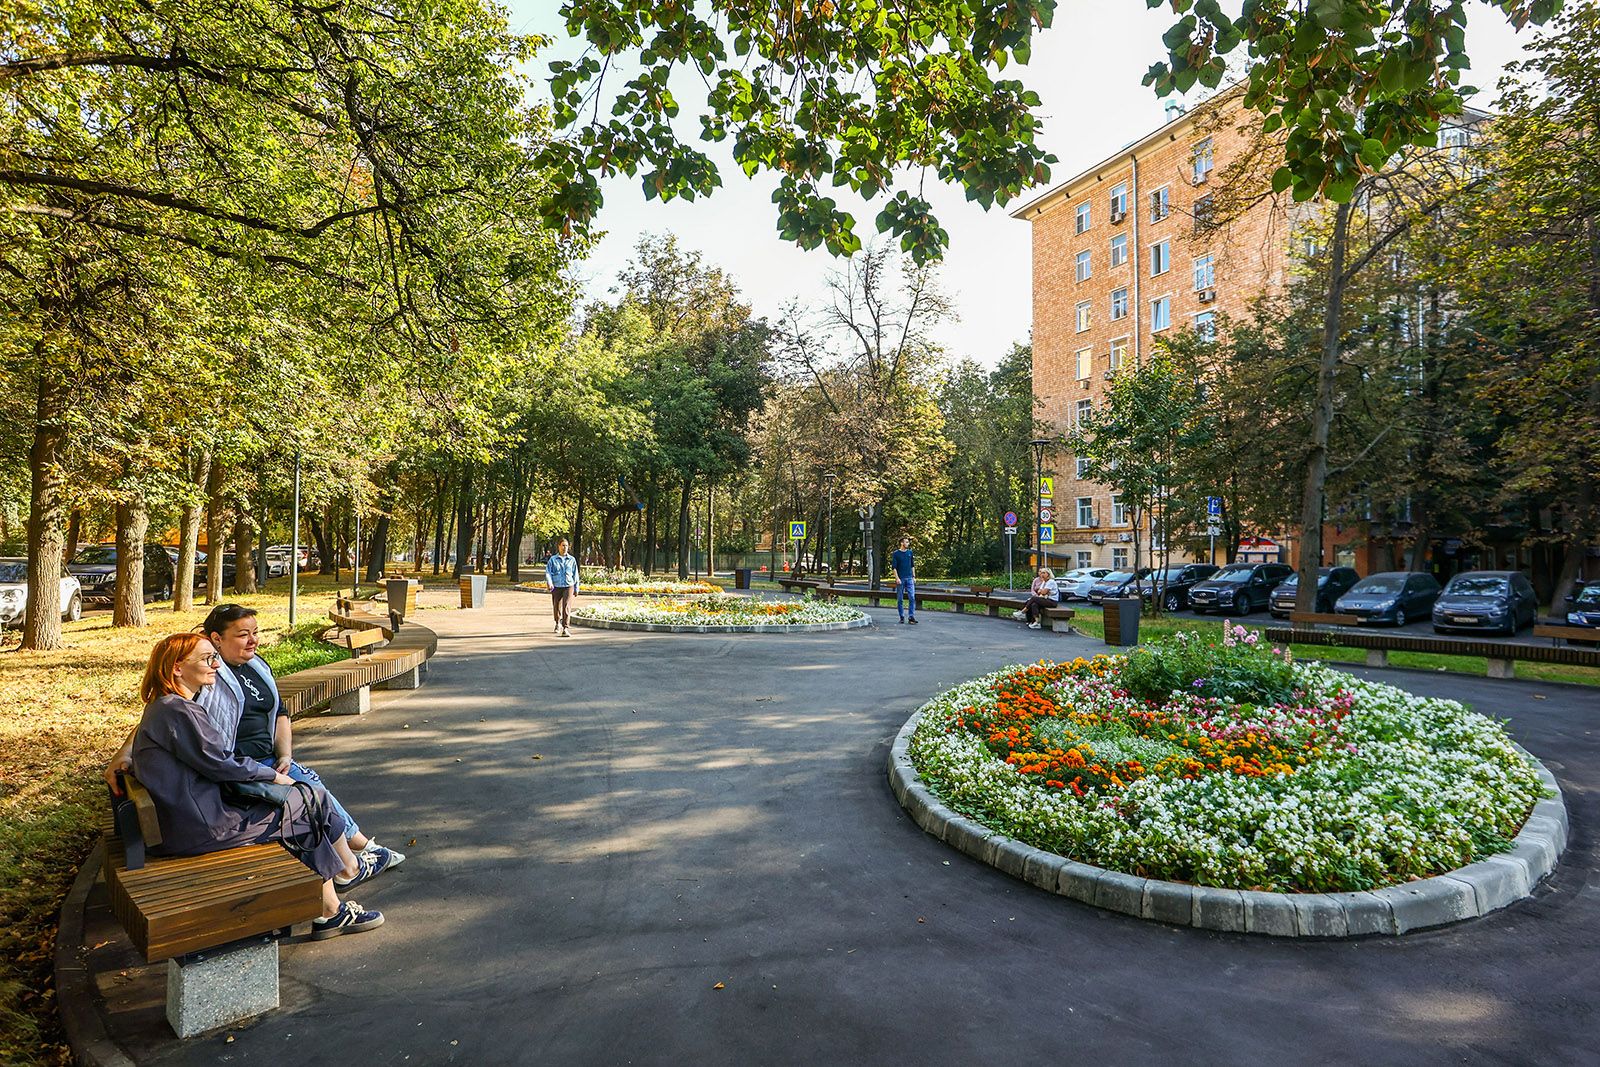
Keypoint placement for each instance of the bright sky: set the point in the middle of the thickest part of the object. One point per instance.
(1086, 70)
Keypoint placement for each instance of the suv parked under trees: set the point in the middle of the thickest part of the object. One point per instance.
(1238, 588)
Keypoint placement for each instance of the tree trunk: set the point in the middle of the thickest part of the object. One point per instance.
(74, 531)
(322, 538)
(650, 530)
(1311, 499)
(441, 498)
(133, 522)
(683, 528)
(188, 538)
(41, 627)
(463, 523)
(216, 532)
(244, 571)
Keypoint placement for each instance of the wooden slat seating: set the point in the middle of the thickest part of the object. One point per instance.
(1562, 633)
(1501, 655)
(409, 646)
(1059, 617)
(1321, 618)
(173, 906)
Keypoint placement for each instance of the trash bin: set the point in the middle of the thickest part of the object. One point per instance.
(402, 595)
(741, 577)
(1122, 620)
(474, 590)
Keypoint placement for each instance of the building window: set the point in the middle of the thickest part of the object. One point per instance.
(1119, 200)
(1160, 258)
(1119, 303)
(1085, 362)
(1083, 468)
(1085, 560)
(1160, 313)
(1119, 559)
(1080, 412)
(1119, 512)
(1119, 349)
(1119, 250)
(1083, 316)
(1159, 208)
(1081, 218)
(1309, 246)
(1202, 210)
(1205, 273)
(1085, 512)
(1083, 266)
(1202, 161)
(1205, 327)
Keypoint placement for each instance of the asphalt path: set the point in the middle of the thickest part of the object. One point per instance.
(682, 849)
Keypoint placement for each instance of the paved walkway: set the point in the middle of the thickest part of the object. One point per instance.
(711, 810)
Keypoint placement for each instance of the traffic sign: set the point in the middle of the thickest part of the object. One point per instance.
(1047, 535)
(1011, 531)
(1047, 487)
(1213, 531)
(797, 531)
(1213, 505)
(1011, 518)
(1046, 515)
(866, 527)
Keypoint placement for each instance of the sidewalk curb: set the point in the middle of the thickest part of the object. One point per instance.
(709, 628)
(1466, 893)
(87, 1036)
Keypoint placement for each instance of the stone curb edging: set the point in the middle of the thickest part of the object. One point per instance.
(1465, 893)
(712, 628)
(86, 1031)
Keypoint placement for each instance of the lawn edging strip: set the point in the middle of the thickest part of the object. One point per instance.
(713, 628)
(1465, 893)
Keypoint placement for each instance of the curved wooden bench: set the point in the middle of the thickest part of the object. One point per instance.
(1501, 656)
(344, 687)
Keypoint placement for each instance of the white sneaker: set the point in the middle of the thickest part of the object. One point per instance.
(565, 632)
(558, 627)
(1019, 616)
(1033, 626)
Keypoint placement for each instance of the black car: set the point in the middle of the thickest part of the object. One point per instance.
(1173, 584)
(1583, 608)
(1503, 601)
(1115, 584)
(1332, 583)
(1238, 588)
(95, 567)
(1393, 596)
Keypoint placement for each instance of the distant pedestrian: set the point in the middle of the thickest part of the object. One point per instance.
(561, 575)
(905, 582)
(1044, 593)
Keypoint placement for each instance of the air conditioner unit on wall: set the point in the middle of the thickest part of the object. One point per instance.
(1206, 296)
(1117, 217)
(1110, 374)
(1098, 539)
(1200, 179)
(1125, 537)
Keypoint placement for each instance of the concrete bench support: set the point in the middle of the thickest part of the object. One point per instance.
(411, 679)
(355, 702)
(221, 987)
(1377, 657)
(1502, 668)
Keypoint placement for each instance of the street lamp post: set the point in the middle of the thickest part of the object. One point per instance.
(827, 546)
(1039, 444)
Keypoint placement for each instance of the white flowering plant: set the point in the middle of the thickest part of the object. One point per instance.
(720, 611)
(1341, 785)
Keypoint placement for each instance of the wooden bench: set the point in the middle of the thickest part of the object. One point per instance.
(1559, 633)
(210, 916)
(1320, 618)
(1501, 656)
(400, 662)
(1058, 617)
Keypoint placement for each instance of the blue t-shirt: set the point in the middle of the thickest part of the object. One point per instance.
(902, 563)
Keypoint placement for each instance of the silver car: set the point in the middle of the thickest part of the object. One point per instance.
(1076, 583)
(14, 592)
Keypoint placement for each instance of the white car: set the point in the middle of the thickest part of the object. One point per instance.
(1075, 584)
(14, 592)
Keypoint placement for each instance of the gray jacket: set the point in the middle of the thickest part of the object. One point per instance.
(224, 700)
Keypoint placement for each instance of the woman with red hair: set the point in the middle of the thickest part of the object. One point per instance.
(183, 761)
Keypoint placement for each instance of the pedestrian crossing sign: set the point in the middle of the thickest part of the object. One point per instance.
(797, 531)
(1047, 535)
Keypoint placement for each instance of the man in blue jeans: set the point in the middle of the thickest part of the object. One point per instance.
(905, 582)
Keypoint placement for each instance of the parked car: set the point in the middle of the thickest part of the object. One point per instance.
(1393, 596)
(1332, 583)
(1117, 583)
(14, 592)
(96, 570)
(287, 551)
(1173, 584)
(1583, 607)
(1076, 583)
(1503, 601)
(1238, 588)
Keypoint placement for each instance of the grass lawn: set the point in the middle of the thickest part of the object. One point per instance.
(62, 714)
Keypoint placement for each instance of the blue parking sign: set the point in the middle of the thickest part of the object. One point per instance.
(1213, 505)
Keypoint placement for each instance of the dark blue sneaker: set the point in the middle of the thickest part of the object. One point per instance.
(369, 865)
(351, 918)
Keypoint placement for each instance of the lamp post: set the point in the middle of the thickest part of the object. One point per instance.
(827, 546)
(294, 545)
(1039, 444)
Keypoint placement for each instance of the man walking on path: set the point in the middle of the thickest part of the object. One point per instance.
(905, 582)
(561, 575)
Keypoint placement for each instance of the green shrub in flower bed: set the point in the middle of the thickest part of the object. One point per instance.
(1218, 760)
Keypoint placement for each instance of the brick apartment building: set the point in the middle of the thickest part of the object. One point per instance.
(1121, 256)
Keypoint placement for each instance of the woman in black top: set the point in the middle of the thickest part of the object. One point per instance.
(182, 760)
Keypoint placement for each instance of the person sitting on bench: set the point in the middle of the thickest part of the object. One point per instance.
(245, 707)
(184, 763)
(1042, 594)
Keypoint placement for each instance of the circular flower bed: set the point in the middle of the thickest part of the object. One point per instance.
(643, 587)
(1226, 763)
(722, 612)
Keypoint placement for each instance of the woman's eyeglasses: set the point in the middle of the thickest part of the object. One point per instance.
(211, 659)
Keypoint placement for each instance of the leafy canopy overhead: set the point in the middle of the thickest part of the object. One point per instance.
(873, 95)
(1352, 82)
